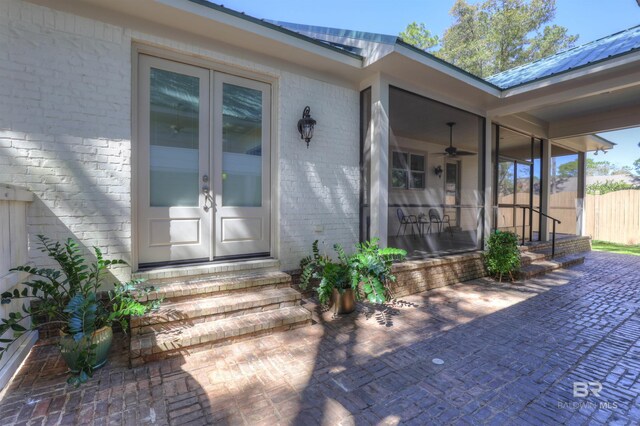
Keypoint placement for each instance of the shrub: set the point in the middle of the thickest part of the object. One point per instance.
(502, 256)
(609, 186)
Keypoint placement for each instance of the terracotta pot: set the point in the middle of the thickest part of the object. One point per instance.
(343, 302)
(102, 338)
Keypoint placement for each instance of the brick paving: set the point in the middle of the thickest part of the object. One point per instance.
(511, 355)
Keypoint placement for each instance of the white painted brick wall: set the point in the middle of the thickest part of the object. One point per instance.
(65, 132)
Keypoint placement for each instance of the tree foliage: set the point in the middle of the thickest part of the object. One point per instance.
(495, 35)
(609, 186)
(636, 165)
(594, 168)
(417, 34)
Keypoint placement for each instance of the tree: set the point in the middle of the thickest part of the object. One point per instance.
(594, 168)
(417, 34)
(636, 165)
(495, 35)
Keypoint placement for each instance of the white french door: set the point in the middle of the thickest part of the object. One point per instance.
(203, 164)
(241, 162)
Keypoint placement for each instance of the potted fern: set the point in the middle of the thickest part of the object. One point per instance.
(69, 298)
(361, 275)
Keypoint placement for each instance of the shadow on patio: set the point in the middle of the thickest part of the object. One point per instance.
(511, 353)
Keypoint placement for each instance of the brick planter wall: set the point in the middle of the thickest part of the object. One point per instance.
(565, 246)
(416, 276)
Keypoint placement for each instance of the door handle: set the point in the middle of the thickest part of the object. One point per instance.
(207, 197)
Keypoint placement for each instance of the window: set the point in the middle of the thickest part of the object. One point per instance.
(407, 171)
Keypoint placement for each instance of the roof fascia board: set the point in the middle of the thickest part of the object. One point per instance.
(264, 29)
(444, 67)
(585, 70)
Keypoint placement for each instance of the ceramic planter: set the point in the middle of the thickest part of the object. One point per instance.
(102, 338)
(343, 302)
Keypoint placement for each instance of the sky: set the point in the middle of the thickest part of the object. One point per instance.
(590, 19)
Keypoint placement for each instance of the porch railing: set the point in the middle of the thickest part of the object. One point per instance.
(554, 220)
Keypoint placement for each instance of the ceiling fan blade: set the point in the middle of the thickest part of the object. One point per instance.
(465, 153)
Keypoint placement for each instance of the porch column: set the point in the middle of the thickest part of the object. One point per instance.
(580, 196)
(488, 170)
(545, 188)
(379, 159)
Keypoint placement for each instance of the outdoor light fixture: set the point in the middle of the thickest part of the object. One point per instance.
(305, 125)
(438, 171)
(604, 151)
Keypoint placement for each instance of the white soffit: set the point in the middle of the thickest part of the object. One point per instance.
(584, 143)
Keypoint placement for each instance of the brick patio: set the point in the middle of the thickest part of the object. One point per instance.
(511, 352)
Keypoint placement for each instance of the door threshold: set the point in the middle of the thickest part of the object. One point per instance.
(216, 267)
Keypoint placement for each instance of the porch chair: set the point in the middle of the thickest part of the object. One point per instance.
(406, 220)
(434, 217)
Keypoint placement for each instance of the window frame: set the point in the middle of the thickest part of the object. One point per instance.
(407, 157)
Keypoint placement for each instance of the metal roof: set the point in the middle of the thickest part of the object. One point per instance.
(614, 45)
(356, 43)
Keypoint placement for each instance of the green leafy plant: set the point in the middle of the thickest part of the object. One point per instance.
(330, 274)
(69, 297)
(367, 271)
(502, 256)
(370, 268)
(609, 186)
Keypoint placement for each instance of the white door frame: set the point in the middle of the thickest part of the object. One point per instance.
(143, 48)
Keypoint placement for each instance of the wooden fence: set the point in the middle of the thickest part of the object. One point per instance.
(614, 216)
(13, 252)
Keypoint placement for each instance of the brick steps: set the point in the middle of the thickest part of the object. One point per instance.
(215, 286)
(200, 308)
(528, 257)
(185, 337)
(539, 267)
(208, 311)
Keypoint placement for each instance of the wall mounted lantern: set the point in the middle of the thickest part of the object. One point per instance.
(438, 171)
(305, 125)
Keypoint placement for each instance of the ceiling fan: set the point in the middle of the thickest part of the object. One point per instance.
(452, 151)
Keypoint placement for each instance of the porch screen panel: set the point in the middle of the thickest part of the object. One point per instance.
(435, 195)
(365, 162)
(563, 189)
(174, 123)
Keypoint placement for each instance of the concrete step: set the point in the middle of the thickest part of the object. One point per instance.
(214, 286)
(205, 308)
(184, 337)
(528, 257)
(540, 267)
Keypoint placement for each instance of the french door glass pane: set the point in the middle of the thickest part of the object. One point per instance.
(241, 146)
(173, 129)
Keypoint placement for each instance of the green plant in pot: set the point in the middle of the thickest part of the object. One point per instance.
(69, 298)
(361, 275)
(502, 255)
